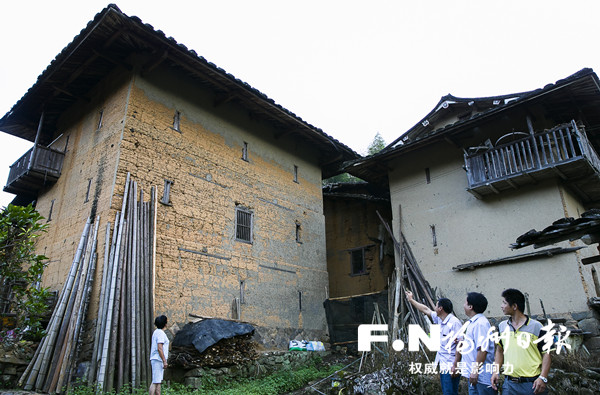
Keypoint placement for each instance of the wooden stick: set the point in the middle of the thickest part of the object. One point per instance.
(47, 382)
(40, 367)
(134, 289)
(108, 330)
(116, 314)
(101, 305)
(85, 299)
(68, 349)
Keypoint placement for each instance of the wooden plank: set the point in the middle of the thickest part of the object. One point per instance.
(543, 147)
(571, 146)
(515, 258)
(590, 260)
(533, 161)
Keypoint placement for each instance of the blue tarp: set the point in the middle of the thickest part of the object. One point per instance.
(205, 333)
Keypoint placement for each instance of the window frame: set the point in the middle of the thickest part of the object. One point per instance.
(361, 250)
(245, 151)
(244, 210)
(166, 197)
(177, 121)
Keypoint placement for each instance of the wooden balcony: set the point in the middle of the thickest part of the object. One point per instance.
(563, 151)
(33, 171)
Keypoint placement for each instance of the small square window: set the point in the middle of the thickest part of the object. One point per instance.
(176, 121)
(166, 197)
(50, 213)
(100, 119)
(298, 233)
(243, 224)
(357, 258)
(87, 194)
(245, 152)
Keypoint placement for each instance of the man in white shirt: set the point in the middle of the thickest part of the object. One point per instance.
(159, 354)
(449, 328)
(477, 351)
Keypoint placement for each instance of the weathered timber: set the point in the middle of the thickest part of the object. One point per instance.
(517, 258)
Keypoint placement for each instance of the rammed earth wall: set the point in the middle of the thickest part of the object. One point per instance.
(200, 267)
(279, 279)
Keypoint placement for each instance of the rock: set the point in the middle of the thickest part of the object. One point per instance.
(592, 343)
(198, 372)
(582, 315)
(12, 370)
(591, 374)
(574, 377)
(193, 382)
(590, 325)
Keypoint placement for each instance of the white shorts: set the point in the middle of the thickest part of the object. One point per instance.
(157, 371)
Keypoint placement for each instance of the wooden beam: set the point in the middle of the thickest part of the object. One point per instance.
(223, 98)
(511, 183)
(516, 258)
(560, 173)
(151, 65)
(66, 92)
(590, 260)
(476, 194)
(452, 142)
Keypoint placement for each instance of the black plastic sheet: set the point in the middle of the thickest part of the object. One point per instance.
(205, 333)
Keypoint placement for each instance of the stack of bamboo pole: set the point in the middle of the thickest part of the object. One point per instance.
(53, 363)
(124, 326)
(125, 312)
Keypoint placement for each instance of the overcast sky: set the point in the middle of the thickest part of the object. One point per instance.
(351, 68)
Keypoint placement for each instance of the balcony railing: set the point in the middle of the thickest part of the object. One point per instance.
(34, 170)
(562, 151)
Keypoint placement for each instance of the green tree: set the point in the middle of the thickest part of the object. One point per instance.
(376, 145)
(21, 268)
(341, 178)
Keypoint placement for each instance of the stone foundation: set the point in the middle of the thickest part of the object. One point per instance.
(266, 364)
(279, 338)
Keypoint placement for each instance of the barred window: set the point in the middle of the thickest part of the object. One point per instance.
(243, 224)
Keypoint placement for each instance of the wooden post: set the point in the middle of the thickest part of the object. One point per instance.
(535, 148)
(37, 139)
(596, 283)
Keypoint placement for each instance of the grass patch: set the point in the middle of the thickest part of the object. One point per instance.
(276, 383)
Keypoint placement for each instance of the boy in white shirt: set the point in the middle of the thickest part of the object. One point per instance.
(159, 354)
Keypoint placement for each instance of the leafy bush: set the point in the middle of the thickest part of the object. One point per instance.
(21, 268)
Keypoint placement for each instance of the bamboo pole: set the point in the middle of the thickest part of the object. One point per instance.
(102, 372)
(84, 297)
(41, 364)
(111, 265)
(46, 376)
(134, 289)
(122, 347)
(115, 316)
(153, 254)
(101, 304)
(140, 284)
(80, 333)
(61, 365)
